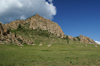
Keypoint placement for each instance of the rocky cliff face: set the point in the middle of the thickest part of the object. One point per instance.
(86, 39)
(38, 22)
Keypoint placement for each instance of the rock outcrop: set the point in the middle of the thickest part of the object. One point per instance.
(70, 37)
(3, 30)
(38, 22)
(45, 24)
(86, 39)
(6, 37)
(14, 24)
(82, 38)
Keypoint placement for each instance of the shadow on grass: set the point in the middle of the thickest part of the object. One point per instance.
(46, 50)
(63, 50)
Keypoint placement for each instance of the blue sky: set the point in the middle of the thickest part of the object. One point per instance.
(79, 17)
(75, 17)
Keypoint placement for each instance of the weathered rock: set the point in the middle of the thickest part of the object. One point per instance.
(33, 44)
(85, 45)
(3, 30)
(6, 37)
(86, 39)
(40, 44)
(75, 39)
(2, 42)
(2, 37)
(70, 37)
(8, 40)
(95, 46)
(83, 39)
(19, 44)
(45, 24)
(14, 24)
(9, 36)
(13, 35)
(12, 39)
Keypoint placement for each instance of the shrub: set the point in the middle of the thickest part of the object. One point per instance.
(78, 38)
(67, 39)
(19, 27)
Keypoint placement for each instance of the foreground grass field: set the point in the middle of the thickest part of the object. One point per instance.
(56, 55)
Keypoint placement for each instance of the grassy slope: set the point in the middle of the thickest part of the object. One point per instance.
(56, 55)
(59, 54)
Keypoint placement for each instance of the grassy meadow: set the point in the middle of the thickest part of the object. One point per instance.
(75, 54)
(59, 54)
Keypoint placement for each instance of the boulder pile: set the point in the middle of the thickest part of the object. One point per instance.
(6, 37)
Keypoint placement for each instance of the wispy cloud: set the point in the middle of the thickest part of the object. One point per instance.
(21, 9)
(97, 42)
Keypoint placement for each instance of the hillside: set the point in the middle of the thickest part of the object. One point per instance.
(36, 30)
(37, 21)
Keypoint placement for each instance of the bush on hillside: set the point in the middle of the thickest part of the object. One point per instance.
(78, 38)
(19, 27)
(67, 39)
(43, 33)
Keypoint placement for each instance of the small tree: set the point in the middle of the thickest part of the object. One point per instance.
(67, 39)
(19, 27)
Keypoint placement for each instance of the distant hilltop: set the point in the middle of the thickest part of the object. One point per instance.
(82, 38)
(38, 21)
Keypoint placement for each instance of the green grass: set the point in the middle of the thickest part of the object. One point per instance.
(59, 54)
(56, 55)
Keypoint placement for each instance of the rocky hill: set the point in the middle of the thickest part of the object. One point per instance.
(82, 38)
(35, 22)
(38, 22)
(85, 39)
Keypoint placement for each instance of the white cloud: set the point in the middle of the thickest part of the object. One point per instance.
(22, 9)
(98, 42)
(22, 17)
